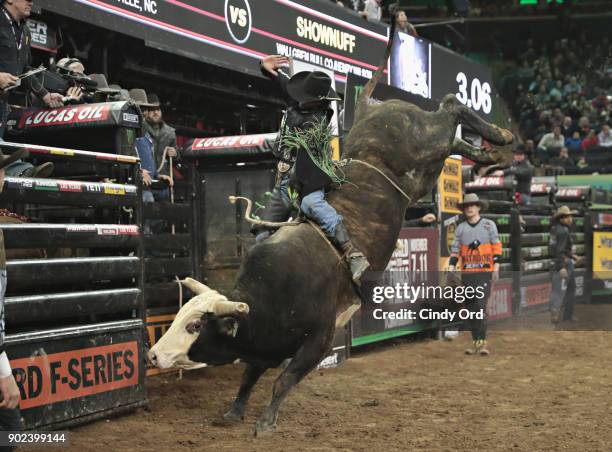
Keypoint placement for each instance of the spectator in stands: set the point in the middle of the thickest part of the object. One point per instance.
(557, 91)
(605, 136)
(584, 126)
(15, 59)
(372, 10)
(402, 24)
(164, 138)
(572, 87)
(542, 97)
(582, 163)
(574, 143)
(535, 84)
(550, 142)
(568, 127)
(10, 418)
(522, 170)
(590, 141)
(530, 148)
(563, 160)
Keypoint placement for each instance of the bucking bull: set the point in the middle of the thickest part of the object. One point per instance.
(293, 289)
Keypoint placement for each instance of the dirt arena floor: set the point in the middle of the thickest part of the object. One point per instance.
(539, 390)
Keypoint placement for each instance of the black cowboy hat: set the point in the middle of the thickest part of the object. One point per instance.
(154, 100)
(308, 87)
(6, 160)
(519, 149)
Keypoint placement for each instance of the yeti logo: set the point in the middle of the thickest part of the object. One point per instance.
(238, 19)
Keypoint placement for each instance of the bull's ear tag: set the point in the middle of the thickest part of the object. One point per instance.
(228, 326)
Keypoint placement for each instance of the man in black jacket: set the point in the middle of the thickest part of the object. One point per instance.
(560, 246)
(15, 59)
(523, 171)
(308, 96)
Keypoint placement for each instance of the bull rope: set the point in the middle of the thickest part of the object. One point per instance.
(273, 224)
(369, 165)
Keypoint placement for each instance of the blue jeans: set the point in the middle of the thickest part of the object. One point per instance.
(315, 207)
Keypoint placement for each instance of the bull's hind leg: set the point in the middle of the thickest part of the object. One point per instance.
(249, 378)
(305, 360)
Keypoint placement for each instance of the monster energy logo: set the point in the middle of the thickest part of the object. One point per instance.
(130, 136)
(503, 220)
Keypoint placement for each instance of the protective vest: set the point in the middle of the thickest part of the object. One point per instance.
(477, 245)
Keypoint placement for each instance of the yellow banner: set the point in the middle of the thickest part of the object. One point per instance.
(449, 186)
(450, 193)
(602, 255)
(114, 190)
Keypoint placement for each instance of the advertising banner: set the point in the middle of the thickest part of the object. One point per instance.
(449, 195)
(70, 373)
(415, 259)
(237, 33)
(499, 305)
(43, 36)
(121, 114)
(602, 262)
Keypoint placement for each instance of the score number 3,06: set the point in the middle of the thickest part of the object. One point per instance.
(480, 94)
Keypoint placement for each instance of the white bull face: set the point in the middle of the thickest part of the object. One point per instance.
(173, 347)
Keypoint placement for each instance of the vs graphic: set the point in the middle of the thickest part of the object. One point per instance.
(238, 19)
(239, 16)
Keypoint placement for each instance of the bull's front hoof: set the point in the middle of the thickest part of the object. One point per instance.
(263, 428)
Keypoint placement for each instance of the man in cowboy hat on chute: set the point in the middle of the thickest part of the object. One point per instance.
(477, 244)
(308, 96)
(560, 246)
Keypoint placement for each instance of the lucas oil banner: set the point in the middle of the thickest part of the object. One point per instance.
(75, 116)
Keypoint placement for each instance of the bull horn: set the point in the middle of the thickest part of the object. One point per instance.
(195, 286)
(223, 307)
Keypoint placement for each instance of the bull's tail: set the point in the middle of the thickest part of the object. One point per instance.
(371, 85)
